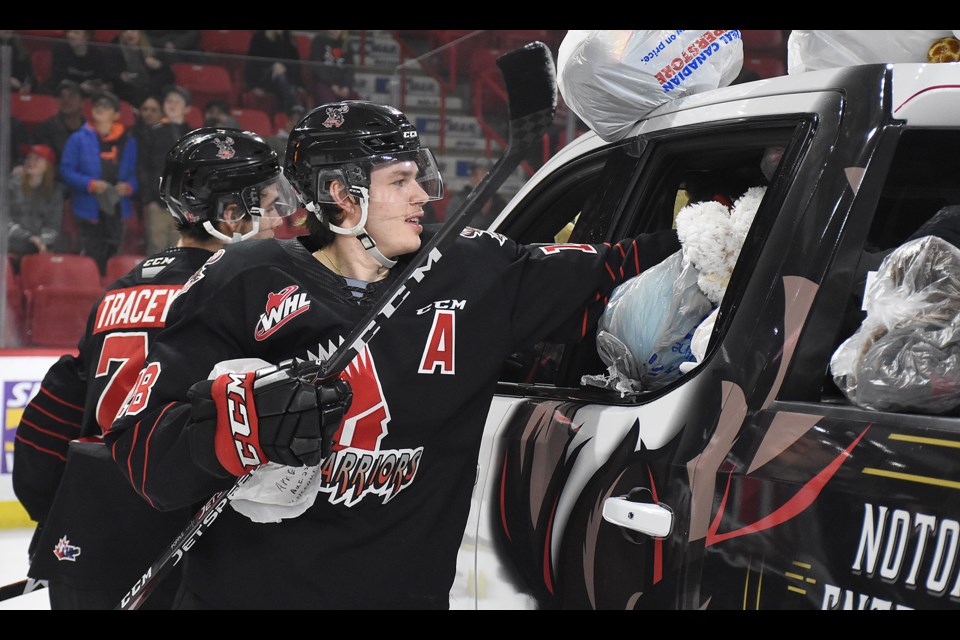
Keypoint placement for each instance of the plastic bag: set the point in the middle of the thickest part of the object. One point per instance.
(905, 356)
(644, 333)
(824, 49)
(611, 79)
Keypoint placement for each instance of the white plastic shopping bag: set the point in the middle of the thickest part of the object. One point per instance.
(612, 78)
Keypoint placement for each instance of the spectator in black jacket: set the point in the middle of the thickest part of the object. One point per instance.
(80, 60)
(55, 130)
(136, 68)
(274, 67)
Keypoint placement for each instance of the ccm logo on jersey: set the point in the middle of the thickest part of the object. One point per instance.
(236, 441)
(282, 307)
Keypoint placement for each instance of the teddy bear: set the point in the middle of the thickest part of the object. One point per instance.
(711, 236)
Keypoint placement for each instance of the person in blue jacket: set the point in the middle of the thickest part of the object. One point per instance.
(99, 167)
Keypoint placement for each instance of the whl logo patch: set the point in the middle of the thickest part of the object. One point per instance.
(66, 551)
(281, 308)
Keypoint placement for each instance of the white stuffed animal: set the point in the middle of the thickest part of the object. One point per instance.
(711, 237)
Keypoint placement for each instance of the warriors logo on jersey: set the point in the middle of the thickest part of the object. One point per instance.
(358, 467)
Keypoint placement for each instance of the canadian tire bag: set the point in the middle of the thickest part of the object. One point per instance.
(611, 79)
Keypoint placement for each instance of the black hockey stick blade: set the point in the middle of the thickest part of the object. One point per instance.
(23, 587)
(530, 77)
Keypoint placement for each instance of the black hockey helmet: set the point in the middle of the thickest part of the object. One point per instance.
(211, 168)
(343, 140)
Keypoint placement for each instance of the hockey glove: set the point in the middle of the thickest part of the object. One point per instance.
(279, 418)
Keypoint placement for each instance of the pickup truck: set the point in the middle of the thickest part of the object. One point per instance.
(751, 481)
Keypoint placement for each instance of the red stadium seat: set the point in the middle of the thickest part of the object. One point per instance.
(120, 265)
(254, 120)
(105, 35)
(230, 41)
(59, 291)
(32, 108)
(194, 117)
(42, 60)
(38, 39)
(261, 101)
(230, 47)
(205, 82)
(303, 40)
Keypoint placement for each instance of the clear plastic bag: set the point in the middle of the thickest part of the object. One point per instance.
(905, 356)
(645, 331)
(613, 78)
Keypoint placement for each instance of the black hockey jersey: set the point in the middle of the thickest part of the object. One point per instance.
(395, 495)
(86, 526)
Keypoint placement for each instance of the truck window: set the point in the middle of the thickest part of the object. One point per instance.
(674, 169)
(918, 185)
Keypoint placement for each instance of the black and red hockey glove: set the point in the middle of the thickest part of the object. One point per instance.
(279, 418)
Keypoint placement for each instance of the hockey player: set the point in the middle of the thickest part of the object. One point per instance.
(377, 523)
(95, 536)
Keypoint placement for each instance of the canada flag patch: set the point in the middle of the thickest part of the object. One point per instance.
(282, 307)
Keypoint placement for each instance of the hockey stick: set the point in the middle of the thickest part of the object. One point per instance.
(21, 588)
(530, 78)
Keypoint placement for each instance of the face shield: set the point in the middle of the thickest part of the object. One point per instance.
(407, 176)
(274, 198)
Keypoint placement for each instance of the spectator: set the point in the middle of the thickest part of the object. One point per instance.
(217, 114)
(77, 59)
(99, 166)
(279, 140)
(55, 130)
(22, 78)
(273, 67)
(489, 211)
(177, 44)
(136, 68)
(36, 204)
(149, 113)
(158, 225)
(332, 69)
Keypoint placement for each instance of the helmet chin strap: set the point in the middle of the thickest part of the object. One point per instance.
(237, 237)
(366, 240)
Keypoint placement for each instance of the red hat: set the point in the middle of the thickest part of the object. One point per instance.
(44, 152)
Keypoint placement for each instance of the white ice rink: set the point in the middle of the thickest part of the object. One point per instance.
(13, 568)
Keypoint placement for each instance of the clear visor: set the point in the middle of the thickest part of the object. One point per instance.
(409, 176)
(274, 198)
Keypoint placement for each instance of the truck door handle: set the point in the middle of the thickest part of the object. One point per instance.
(644, 517)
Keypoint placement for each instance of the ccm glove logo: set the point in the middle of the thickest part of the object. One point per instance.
(237, 438)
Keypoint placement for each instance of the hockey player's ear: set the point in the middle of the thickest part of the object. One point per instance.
(341, 196)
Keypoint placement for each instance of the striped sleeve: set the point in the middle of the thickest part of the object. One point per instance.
(50, 421)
